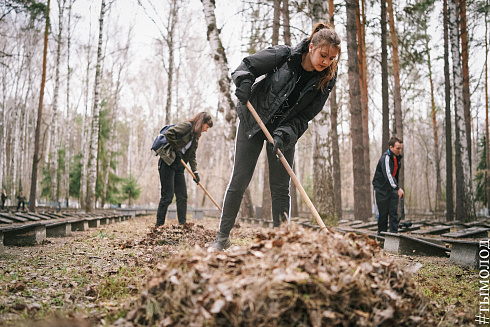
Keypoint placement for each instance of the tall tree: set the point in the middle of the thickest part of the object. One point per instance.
(266, 189)
(337, 183)
(466, 78)
(447, 94)
(323, 189)
(384, 80)
(464, 192)
(37, 157)
(225, 103)
(361, 37)
(397, 88)
(487, 146)
(69, 112)
(94, 131)
(54, 118)
(360, 210)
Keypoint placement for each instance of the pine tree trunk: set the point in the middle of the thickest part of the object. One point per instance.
(360, 191)
(487, 142)
(397, 87)
(285, 22)
(361, 37)
(36, 158)
(464, 193)
(447, 93)
(94, 131)
(384, 80)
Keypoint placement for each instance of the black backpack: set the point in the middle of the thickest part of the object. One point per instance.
(160, 140)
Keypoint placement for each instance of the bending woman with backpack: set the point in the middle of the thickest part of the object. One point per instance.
(182, 142)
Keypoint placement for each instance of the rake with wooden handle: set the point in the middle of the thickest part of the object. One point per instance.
(289, 170)
(194, 176)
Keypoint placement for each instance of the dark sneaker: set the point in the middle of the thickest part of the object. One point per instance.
(221, 242)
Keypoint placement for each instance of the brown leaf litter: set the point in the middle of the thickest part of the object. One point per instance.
(285, 277)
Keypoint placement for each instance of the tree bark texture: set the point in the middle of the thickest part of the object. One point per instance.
(384, 80)
(54, 120)
(361, 37)
(94, 131)
(360, 210)
(225, 102)
(36, 157)
(464, 193)
(447, 94)
(337, 182)
(397, 88)
(466, 79)
(487, 142)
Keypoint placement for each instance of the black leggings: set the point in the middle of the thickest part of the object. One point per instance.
(172, 181)
(247, 152)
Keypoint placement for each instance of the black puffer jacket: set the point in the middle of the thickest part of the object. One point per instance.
(280, 65)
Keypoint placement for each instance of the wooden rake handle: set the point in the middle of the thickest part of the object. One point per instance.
(291, 173)
(194, 177)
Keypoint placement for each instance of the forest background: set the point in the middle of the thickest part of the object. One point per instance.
(79, 131)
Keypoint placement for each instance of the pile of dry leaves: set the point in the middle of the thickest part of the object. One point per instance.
(173, 235)
(285, 278)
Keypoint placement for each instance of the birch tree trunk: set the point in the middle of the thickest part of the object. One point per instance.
(397, 89)
(360, 190)
(225, 103)
(384, 80)
(94, 133)
(466, 80)
(447, 93)
(334, 135)
(36, 157)
(54, 124)
(323, 189)
(266, 189)
(69, 113)
(464, 192)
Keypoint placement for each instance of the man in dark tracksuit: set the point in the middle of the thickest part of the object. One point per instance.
(386, 188)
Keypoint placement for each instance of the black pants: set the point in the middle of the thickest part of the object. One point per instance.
(21, 203)
(172, 181)
(247, 152)
(387, 205)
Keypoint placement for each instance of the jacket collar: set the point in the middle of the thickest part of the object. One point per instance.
(391, 154)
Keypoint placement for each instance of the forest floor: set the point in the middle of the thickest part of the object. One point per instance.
(91, 278)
